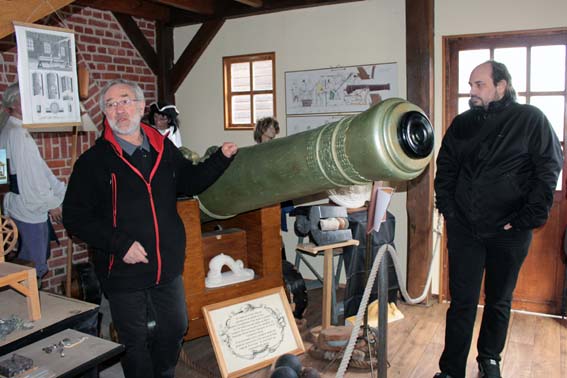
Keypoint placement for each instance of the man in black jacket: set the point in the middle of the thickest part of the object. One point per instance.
(496, 174)
(121, 200)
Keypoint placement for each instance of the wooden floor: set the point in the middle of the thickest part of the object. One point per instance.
(536, 347)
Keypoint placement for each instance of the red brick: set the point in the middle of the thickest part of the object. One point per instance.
(119, 60)
(90, 39)
(99, 23)
(102, 58)
(110, 42)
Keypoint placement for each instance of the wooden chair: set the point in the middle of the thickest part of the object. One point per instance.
(18, 277)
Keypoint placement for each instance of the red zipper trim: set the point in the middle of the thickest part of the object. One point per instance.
(114, 195)
(156, 230)
(114, 211)
(154, 139)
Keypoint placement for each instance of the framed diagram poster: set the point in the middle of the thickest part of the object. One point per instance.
(350, 89)
(47, 74)
(252, 331)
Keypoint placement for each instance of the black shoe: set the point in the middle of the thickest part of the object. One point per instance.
(489, 368)
(442, 375)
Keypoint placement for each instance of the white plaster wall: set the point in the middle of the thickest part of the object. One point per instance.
(363, 32)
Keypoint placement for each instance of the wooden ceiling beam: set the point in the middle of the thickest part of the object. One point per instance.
(139, 40)
(140, 8)
(270, 6)
(206, 7)
(26, 11)
(252, 3)
(193, 51)
(237, 8)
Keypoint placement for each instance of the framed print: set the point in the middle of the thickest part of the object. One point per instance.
(252, 331)
(339, 89)
(47, 74)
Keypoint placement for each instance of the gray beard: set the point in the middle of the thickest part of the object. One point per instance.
(134, 127)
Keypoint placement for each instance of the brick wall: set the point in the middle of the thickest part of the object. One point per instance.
(106, 51)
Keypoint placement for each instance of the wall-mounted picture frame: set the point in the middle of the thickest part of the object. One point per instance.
(47, 75)
(349, 89)
(250, 332)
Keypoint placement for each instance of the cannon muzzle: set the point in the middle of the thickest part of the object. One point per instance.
(391, 141)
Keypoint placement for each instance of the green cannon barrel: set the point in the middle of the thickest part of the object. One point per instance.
(391, 141)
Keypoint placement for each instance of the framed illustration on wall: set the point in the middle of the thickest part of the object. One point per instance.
(47, 75)
(349, 89)
(251, 331)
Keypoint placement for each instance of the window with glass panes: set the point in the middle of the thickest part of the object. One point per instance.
(536, 61)
(249, 89)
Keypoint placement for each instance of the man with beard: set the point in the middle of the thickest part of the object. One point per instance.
(496, 174)
(121, 200)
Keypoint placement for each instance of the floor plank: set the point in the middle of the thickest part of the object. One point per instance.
(546, 354)
(536, 346)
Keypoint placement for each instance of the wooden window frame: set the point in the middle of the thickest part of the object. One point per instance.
(250, 58)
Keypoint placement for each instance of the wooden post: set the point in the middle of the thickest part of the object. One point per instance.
(69, 240)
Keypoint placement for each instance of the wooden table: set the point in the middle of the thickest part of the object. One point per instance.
(84, 353)
(23, 279)
(58, 313)
(328, 280)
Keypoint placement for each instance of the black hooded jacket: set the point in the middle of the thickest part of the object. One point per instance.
(109, 205)
(498, 166)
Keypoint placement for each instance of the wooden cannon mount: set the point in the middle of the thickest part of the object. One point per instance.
(253, 237)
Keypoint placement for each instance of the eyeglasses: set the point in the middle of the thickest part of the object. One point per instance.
(115, 104)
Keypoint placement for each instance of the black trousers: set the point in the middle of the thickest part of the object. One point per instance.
(499, 256)
(151, 324)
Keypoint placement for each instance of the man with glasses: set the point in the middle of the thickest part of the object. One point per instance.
(496, 174)
(121, 200)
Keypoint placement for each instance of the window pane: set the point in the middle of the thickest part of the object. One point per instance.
(263, 106)
(240, 77)
(469, 59)
(521, 99)
(515, 60)
(241, 110)
(262, 75)
(553, 107)
(463, 104)
(548, 68)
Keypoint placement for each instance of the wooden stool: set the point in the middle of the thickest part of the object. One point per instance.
(328, 280)
(19, 277)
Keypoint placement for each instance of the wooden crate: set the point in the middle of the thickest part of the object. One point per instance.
(263, 255)
(231, 242)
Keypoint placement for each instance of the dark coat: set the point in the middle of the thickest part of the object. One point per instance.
(109, 205)
(498, 166)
